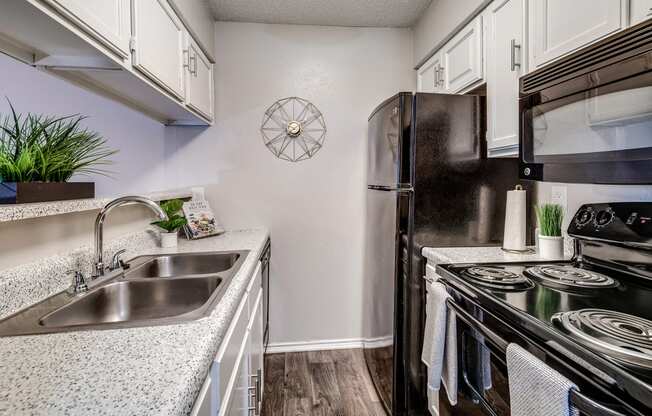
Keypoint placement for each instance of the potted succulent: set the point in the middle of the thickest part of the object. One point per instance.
(170, 227)
(39, 154)
(551, 242)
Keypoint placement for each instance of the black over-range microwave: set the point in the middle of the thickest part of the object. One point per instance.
(587, 118)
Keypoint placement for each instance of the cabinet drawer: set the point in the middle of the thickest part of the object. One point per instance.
(227, 356)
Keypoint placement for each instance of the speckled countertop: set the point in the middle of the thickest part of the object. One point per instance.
(136, 371)
(482, 255)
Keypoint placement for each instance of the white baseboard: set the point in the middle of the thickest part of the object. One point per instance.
(331, 344)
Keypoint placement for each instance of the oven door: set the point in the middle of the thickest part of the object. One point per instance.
(483, 383)
(483, 387)
(594, 128)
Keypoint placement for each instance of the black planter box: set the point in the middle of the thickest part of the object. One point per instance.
(25, 192)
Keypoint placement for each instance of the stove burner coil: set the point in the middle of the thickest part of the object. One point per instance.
(497, 277)
(569, 276)
(618, 335)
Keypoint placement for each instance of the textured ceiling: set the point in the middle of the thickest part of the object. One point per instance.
(376, 13)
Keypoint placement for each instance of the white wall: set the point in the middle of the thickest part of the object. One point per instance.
(139, 167)
(579, 194)
(314, 208)
(439, 21)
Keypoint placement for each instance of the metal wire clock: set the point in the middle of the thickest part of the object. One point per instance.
(293, 129)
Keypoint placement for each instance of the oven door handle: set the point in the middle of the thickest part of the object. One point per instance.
(580, 401)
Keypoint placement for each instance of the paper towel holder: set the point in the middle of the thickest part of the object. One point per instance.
(516, 251)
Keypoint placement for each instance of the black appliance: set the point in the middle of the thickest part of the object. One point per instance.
(589, 318)
(587, 118)
(430, 184)
(264, 270)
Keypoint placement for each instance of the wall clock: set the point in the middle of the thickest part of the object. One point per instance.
(293, 129)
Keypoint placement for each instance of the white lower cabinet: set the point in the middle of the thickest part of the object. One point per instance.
(235, 381)
(202, 405)
(505, 64)
(256, 354)
(639, 10)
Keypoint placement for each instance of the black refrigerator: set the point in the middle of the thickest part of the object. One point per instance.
(429, 184)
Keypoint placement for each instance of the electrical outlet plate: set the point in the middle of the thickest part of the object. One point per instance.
(558, 195)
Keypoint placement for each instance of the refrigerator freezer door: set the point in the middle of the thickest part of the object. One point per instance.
(384, 153)
(378, 288)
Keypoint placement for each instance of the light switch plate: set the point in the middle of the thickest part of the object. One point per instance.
(558, 195)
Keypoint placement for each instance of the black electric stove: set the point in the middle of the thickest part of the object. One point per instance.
(589, 317)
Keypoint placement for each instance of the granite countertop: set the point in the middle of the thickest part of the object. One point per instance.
(482, 255)
(137, 371)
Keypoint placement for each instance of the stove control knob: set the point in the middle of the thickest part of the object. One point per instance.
(604, 217)
(584, 217)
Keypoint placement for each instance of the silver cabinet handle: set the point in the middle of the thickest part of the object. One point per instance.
(186, 59)
(514, 47)
(441, 76)
(436, 77)
(193, 64)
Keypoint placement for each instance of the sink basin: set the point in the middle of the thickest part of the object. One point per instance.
(135, 300)
(155, 290)
(182, 265)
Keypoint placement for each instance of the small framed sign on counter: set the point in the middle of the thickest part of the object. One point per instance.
(201, 220)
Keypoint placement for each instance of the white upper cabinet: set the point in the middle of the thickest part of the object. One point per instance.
(429, 75)
(640, 10)
(108, 21)
(199, 79)
(505, 64)
(561, 26)
(462, 58)
(196, 15)
(159, 45)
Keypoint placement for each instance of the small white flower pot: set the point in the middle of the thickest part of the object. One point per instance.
(551, 248)
(168, 240)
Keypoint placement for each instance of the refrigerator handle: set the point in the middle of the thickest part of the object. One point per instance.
(399, 188)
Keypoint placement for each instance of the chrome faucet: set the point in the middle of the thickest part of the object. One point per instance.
(98, 266)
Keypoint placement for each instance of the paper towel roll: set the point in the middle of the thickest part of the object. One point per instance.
(515, 217)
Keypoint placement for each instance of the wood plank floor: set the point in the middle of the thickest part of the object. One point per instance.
(320, 383)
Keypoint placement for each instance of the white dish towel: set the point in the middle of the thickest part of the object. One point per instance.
(439, 352)
(536, 389)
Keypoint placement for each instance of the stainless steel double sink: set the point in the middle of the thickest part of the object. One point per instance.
(155, 290)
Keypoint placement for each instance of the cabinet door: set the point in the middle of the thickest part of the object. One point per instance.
(639, 10)
(462, 57)
(203, 403)
(237, 398)
(199, 76)
(159, 41)
(562, 26)
(505, 61)
(105, 20)
(429, 77)
(256, 352)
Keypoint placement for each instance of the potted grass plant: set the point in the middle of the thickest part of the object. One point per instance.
(551, 242)
(170, 227)
(39, 155)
